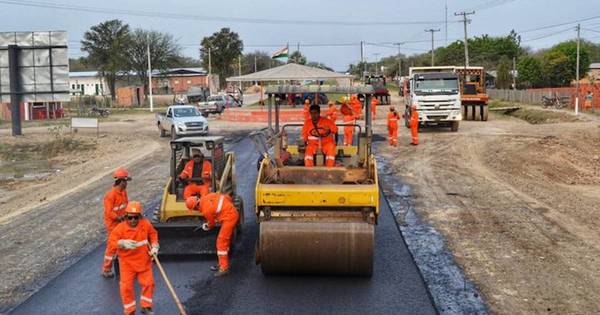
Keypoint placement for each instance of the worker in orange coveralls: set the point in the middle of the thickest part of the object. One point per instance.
(197, 167)
(332, 112)
(374, 103)
(356, 106)
(115, 202)
(392, 124)
(306, 110)
(319, 135)
(134, 241)
(217, 207)
(349, 120)
(414, 125)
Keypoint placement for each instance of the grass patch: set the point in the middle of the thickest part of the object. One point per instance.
(536, 116)
(42, 150)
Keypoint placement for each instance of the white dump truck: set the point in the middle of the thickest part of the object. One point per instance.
(436, 93)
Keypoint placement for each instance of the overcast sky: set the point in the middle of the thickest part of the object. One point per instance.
(494, 17)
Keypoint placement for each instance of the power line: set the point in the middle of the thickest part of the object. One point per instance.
(547, 35)
(559, 24)
(180, 16)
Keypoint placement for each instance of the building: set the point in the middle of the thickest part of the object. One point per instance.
(178, 80)
(594, 72)
(88, 83)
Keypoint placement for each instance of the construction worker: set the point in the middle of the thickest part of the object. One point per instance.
(414, 125)
(332, 112)
(115, 202)
(217, 207)
(306, 109)
(319, 135)
(349, 120)
(134, 241)
(197, 167)
(356, 106)
(374, 103)
(392, 125)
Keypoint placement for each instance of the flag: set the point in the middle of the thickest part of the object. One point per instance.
(281, 53)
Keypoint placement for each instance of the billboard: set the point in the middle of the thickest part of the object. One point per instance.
(42, 68)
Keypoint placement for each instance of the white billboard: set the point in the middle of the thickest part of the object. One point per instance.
(43, 66)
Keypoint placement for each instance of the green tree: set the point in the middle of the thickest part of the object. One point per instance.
(556, 69)
(105, 44)
(186, 62)
(263, 61)
(569, 49)
(80, 64)
(164, 53)
(529, 72)
(503, 76)
(225, 48)
(297, 57)
(319, 65)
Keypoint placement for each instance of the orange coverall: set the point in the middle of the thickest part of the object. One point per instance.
(414, 126)
(392, 124)
(349, 119)
(135, 263)
(191, 188)
(115, 202)
(216, 207)
(356, 106)
(374, 103)
(332, 113)
(326, 144)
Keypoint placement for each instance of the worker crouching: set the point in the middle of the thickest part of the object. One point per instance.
(217, 207)
(115, 202)
(134, 241)
(319, 135)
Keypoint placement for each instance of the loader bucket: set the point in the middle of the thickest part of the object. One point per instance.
(185, 239)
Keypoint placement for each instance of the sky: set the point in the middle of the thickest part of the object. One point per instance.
(329, 32)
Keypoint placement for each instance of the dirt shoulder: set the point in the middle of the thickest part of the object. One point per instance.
(517, 204)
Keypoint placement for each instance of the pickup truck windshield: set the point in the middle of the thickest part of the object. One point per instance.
(436, 86)
(186, 112)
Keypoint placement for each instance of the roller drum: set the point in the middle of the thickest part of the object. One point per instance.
(321, 248)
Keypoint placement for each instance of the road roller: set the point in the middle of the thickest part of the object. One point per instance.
(317, 220)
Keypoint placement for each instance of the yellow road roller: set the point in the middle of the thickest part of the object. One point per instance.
(317, 220)
(179, 228)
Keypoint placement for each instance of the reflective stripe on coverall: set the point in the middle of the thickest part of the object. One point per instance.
(414, 126)
(115, 202)
(192, 189)
(314, 143)
(216, 207)
(135, 263)
(392, 124)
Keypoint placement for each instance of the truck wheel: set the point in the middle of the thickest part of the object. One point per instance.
(238, 202)
(485, 112)
(162, 131)
(173, 134)
(454, 126)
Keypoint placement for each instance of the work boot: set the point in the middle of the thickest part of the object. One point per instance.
(147, 311)
(214, 268)
(221, 272)
(108, 274)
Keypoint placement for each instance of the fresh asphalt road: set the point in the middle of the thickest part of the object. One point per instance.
(396, 286)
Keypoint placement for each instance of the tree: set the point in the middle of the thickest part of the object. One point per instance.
(80, 64)
(225, 48)
(530, 72)
(186, 62)
(569, 50)
(164, 53)
(319, 65)
(556, 69)
(297, 57)
(503, 76)
(105, 44)
(263, 62)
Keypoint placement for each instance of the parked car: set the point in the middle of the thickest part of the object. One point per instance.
(216, 104)
(237, 95)
(181, 120)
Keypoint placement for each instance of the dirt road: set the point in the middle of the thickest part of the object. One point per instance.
(517, 204)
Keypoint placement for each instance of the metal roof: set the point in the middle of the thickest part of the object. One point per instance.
(595, 65)
(281, 89)
(290, 71)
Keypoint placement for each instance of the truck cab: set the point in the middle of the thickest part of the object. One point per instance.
(436, 93)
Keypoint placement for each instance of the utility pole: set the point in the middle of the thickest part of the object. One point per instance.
(255, 68)
(465, 22)
(432, 45)
(399, 60)
(240, 71)
(578, 28)
(149, 73)
(514, 73)
(376, 62)
(209, 63)
(362, 58)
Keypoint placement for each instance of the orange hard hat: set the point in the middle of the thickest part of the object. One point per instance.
(192, 202)
(121, 173)
(134, 207)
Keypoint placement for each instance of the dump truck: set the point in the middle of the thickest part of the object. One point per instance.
(317, 220)
(473, 95)
(178, 227)
(436, 94)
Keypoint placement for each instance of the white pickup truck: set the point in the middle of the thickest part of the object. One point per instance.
(181, 120)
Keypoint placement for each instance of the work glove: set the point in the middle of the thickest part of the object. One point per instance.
(153, 250)
(127, 244)
(205, 226)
